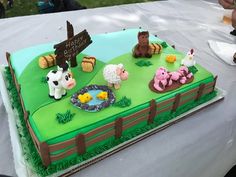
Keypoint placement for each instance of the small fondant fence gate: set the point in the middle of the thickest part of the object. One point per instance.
(115, 129)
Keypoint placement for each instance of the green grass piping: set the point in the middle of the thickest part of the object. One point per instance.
(142, 63)
(44, 80)
(123, 102)
(164, 44)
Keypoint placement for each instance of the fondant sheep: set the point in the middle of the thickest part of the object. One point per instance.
(114, 74)
(162, 79)
(59, 81)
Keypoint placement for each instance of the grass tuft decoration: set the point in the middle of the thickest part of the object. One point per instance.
(164, 44)
(63, 118)
(44, 80)
(142, 63)
(193, 69)
(123, 102)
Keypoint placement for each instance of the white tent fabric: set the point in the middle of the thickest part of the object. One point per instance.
(203, 145)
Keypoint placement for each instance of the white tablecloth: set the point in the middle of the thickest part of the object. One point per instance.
(201, 146)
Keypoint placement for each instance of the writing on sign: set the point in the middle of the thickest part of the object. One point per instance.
(71, 47)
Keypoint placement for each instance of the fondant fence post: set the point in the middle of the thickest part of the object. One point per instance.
(44, 152)
(176, 102)
(153, 109)
(81, 146)
(200, 91)
(70, 30)
(26, 115)
(214, 85)
(70, 34)
(18, 87)
(118, 127)
(8, 55)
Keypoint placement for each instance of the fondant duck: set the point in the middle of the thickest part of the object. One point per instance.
(102, 95)
(85, 98)
(170, 58)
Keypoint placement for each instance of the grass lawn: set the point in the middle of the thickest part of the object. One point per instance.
(22, 7)
(29, 7)
(103, 3)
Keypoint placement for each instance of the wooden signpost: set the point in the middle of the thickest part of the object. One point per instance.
(68, 49)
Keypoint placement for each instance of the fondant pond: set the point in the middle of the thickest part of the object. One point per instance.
(93, 104)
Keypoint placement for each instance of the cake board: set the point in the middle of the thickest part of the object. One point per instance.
(23, 169)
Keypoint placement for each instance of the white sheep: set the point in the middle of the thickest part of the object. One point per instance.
(114, 74)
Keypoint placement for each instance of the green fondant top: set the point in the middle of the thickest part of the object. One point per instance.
(43, 109)
(136, 88)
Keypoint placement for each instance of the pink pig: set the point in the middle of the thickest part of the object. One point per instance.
(162, 79)
(175, 76)
(183, 70)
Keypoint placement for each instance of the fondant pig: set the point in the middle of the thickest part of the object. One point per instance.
(59, 81)
(162, 79)
(175, 76)
(114, 74)
(185, 74)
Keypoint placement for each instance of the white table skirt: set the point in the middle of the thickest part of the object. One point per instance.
(203, 145)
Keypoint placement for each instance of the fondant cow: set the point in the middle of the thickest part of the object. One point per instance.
(59, 81)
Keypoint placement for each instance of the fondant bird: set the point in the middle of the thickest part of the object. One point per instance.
(188, 59)
(102, 95)
(170, 58)
(85, 98)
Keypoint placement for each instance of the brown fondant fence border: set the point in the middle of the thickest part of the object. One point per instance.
(124, 123)
(41, 147)
(115, 129)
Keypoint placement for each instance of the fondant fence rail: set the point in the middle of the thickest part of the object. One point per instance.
(115, 129)
(40, 147)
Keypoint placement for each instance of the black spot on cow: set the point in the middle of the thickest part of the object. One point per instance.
(67, 78)
(55, 83)
(47, 78)
(54, 72)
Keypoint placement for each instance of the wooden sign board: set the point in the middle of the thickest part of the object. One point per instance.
(68, 49)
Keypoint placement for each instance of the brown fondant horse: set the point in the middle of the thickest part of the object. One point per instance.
(142, 49)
